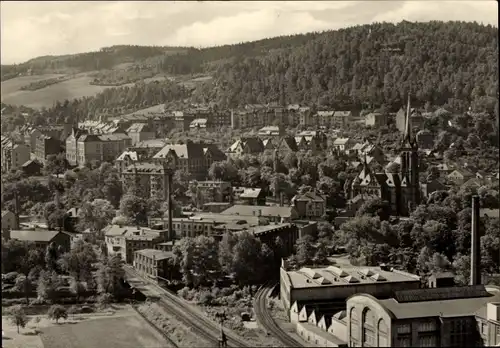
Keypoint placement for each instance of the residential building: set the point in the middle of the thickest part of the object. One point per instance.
(309, 205)
(315, 141)
(9, 221)
(343, 144)
(425, 140)
(287, 144)
(324, 119)
(306, 118)
(326, 289)
(137, 155)
(72, 145)
(138, 132)
(104, 147)
(46, 146)
(32, 168)
(439, 317)
(213, 191)
(30, 134)
(123, 241)
(193, 158)
(341, 119)
(251, 196)
(42, 238)
(149, 178)
(271, 131)
(460, 175)
(246, 146)
(219, 119)
(274, 214)
(376, 119)
(153, 263)
(183, 119)
(13, 156)
(200, 123)
(416, 119)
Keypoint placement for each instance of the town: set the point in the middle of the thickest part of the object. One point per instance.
(272, 224)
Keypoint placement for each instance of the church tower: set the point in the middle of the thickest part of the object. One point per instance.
(409, 164)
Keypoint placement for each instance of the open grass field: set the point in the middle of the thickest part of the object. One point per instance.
(74, 88)
(124, 332)
(123, 328)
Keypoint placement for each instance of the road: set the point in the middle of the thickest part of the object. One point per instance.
(266, 320)
(189, 315)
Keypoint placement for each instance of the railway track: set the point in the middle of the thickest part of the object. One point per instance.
(165, 336)
(266, 320)
(191, 317)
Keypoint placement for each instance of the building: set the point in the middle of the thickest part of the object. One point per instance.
(376, 119)
(32, 168)
(193, 158)
(138, 132)
(271, 131)
(327, 289)
(460, 176)
(315, 141)
(274, 214)
(425, 140)
(251, 196)
(200, 123)
(213, 191)
(309, 205)
(9, 221)
(343, 144)
(46, 146)
(416, 119)
(267, 234)
(183, 119)
(42, 238)
(341, 119)
(148, 178)
(153, 263)
(100, 148)
(402, 190)
(219, 119)
(13, 156)
(439, 317)
(72, 145)
(123, 241)
(488, 319)
(246, 146)
(129, 157)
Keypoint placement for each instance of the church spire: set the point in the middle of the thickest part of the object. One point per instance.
(407, 135)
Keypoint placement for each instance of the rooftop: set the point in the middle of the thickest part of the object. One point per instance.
(155, 254)
(259, 210)
(33, 236)
(455, 307)
(345, 275)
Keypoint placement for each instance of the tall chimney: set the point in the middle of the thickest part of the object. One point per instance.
(170, 208)
(475, 262)
(16, 208)
(282, 199)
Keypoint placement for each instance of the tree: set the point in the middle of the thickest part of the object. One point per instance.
(18, 316)
(321, 255)
(226, 246)
(73, 310)
(47, 286)
(110, 275)
(78, 261)
(51, 257)
(95, 215)
(246, 259)
(375, 207)
(55, 164)
(135, 209)
(57, 312)
(25, 285)
(304, 250)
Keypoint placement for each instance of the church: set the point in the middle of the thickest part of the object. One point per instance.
(402, 190)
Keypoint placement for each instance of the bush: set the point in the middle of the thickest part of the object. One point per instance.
(57, 312)
(205, 297)
(10, 278)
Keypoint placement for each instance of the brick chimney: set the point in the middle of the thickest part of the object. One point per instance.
(475, 254)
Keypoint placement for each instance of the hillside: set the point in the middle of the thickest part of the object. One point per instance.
(454, 64)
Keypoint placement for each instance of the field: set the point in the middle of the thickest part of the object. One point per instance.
(125, 329)
(74, 88)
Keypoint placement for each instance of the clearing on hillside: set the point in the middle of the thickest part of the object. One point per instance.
(74, 88)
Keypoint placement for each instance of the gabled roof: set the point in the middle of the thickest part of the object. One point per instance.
(253, 144)
(139, 128)
(131, 154)
(309, 197)
(251, 193)
(87, 138)
(290, 143)
(34, 236)
(342, 113)
(341, 141)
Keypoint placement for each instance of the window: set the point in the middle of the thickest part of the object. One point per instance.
(427, 326)
(405, 342)
(427, 341)
(404, 329)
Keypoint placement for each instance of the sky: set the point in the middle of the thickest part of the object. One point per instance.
(36, 28)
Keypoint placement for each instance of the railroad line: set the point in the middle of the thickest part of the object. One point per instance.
(267, 321)
(157, 329)
(191, 317)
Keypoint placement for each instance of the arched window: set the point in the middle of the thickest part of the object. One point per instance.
(368, 322)
(354, 322)
(382, 333)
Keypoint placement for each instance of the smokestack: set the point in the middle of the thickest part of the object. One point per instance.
(282, 199)
(16, 207)
(475, 262)
(170, 208)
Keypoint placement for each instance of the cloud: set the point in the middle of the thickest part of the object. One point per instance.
(245, 27)
(30, 29)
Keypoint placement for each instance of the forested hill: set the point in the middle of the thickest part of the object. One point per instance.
(453, 63)
(443, 63)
